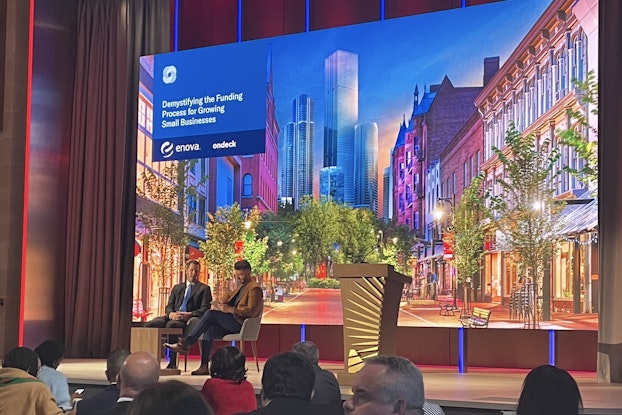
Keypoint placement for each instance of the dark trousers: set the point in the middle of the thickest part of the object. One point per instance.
(165, 322)
(213, 325)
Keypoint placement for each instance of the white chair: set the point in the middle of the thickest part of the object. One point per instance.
(249, 332)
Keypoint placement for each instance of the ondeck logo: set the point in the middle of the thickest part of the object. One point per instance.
(225, 144)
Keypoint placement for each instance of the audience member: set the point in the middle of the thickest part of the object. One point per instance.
(326, 388)
(139, 370)
(20, 391)
(51, 353)
(387, 385)
(287, 385)
(244, 302)
(549, 390)
(171, 397)
(228, 392)
(107, 398)
(186, 305)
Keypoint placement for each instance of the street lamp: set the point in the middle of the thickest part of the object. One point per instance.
(438, 214)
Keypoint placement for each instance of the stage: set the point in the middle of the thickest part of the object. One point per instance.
(480, 391)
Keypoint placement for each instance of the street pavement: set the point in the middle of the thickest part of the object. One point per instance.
(320, 306)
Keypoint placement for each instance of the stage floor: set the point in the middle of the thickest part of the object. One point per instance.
(489, 390)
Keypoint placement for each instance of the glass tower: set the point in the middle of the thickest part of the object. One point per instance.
(341, 115)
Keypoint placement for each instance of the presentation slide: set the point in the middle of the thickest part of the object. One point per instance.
(209, 104)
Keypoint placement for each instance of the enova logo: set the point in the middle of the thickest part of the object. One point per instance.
(168, 149)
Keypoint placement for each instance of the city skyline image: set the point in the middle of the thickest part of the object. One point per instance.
(368, 73)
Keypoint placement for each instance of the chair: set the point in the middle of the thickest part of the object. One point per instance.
(249, 332)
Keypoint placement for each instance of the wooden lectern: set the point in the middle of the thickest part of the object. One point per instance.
(152, 339)
(370, 300)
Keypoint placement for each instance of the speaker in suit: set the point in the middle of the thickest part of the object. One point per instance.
(186, 305)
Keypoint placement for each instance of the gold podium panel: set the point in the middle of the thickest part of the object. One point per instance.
(370, 300)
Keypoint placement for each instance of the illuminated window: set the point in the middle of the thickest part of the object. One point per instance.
(247, 185)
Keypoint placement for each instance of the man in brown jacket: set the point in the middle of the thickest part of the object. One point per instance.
(244, 302)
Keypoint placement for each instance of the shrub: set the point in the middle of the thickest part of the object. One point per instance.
(323, 283)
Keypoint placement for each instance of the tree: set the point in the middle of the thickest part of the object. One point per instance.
(162, 194)
(528, 216)
(225, 228)
(356, 234)
(468, 232)
(316, 226)
(578, 134)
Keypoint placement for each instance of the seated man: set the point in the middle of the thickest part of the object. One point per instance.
(326, 388)
(187, 302)
(387, 385)
(20, 391)
(287, 385)
(108, 397)
(244, 302)
(139, 370)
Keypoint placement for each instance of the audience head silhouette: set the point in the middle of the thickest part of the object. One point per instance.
(228, 363)
(22, 358)
(287, 375)
(114, 362)
(549, 390)
(387, 385)
(308, 350)
(51, 352)
(171, 397)
(139, 370)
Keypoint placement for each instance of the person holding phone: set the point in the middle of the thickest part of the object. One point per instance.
(51, 353)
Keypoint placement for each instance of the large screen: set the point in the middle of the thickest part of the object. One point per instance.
(396, 118)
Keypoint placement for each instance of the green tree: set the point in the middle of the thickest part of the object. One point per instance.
(467, 233)
(279, 230)
(224, 228)
(161, 194)
(528, 216)
(581, 135)
(357, 235)
(317, 229)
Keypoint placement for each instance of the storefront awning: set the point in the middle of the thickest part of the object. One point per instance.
(580, 218)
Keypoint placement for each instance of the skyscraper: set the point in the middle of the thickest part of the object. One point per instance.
(286, 163)
(296, 153)
(303, 148)
(366, 166)
(341, 115)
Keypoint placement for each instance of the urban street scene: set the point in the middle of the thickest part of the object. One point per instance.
(460, 152)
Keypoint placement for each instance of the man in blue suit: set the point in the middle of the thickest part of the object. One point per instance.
(187, 303)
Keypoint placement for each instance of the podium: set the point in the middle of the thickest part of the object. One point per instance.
(370, 301)
(152, 339)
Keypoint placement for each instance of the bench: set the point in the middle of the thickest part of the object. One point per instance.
(446, 308)
(477, 319)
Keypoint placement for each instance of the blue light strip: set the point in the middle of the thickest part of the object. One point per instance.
(239, 21)
(463, 4)
(552, 347)
(381, 10)
(461, 350)
(176, 27)
(307, 13)
(303, 332)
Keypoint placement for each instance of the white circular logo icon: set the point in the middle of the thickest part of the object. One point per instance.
(169, 74)
(166, 149)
